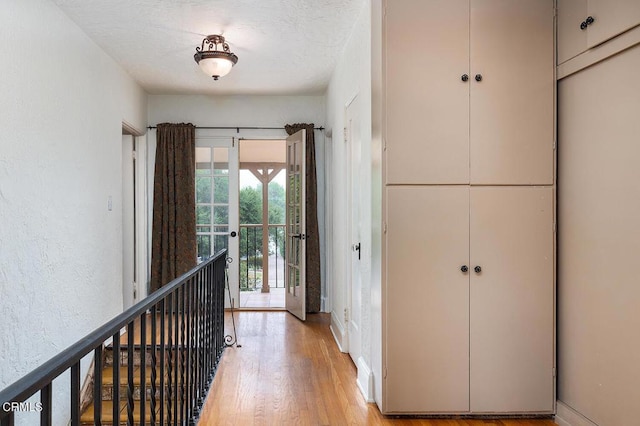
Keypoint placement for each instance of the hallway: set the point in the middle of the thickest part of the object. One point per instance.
(291, 373)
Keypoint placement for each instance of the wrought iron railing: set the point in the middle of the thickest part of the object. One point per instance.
(252, 256)
(181, 339)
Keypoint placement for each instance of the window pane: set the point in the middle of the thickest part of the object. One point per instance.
(221, 229)
(203, 189)
(221, 215)
(221, 192)
(220, 242)
(203, 229)
(221, 161)
(204, 246)
(203, 215)
(203, 160)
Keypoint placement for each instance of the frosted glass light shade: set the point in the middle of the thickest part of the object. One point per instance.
(216, 66)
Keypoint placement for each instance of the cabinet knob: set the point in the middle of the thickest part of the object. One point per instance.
(464, 77)
(584, 24)
(478, 269)
(478, 77)
(464, 268)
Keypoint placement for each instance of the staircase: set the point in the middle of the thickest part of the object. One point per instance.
(87, 415)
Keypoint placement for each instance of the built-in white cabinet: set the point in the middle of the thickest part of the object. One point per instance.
(472, 87)
(470, 300)
(468, 207)
(583, 24)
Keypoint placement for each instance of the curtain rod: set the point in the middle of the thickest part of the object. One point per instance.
(237, 128)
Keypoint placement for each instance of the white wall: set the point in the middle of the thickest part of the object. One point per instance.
(248, 111)
(351, 77)
(63, 103)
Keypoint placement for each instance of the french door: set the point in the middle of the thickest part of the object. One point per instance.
(217, 204)
(295, 230)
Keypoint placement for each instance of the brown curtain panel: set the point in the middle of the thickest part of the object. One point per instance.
(312, 258)
(173, 240)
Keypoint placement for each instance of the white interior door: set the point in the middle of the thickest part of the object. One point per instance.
(129, 291)
(355, 289)
(217, 207)
(296, 230)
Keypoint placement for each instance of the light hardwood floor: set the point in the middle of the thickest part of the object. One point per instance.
(292, 373)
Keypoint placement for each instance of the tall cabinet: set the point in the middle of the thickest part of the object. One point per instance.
(468, 207)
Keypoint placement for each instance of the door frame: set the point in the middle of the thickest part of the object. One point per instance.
(352, 344)
(141, 234)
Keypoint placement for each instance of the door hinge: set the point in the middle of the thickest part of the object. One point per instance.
(554, 227)
(554, 145)
(346, 315)
(346, 135)
(135, 290)
(384, 227)
(233, 142)
(134, 155)
(554, 372)
(384, 372)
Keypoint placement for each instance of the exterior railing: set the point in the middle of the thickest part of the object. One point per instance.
(182, 352)
(252, 254)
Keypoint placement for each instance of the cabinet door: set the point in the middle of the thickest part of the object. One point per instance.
(427, 300)
(427, 103)
(512, 108)
(611, 19)
(571, 39)
(512, 300)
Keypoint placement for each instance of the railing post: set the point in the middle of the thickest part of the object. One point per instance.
(143, 366)
(75, 394)
(97, 386)
(116, 377)
(163, 358)
(154, 377)
(176, 357)
(45, 400)
(130, 368)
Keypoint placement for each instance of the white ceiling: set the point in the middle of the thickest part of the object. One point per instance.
(283, 46)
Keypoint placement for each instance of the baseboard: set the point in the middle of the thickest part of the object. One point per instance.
(339, 333)
(324, 305)
(365, 380)
(567, 416)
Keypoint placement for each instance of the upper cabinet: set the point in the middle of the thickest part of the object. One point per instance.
(469, 92)
(427, 95)
(512, 113)
(583, 24)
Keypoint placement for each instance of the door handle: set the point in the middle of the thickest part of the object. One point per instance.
(233, 233)
(356, 247)
(298, 236)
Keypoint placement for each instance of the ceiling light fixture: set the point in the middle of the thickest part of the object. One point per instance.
(214, 62)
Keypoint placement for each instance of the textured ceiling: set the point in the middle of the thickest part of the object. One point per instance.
(284, 46)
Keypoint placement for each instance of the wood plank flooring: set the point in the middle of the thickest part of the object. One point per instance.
(292, 373)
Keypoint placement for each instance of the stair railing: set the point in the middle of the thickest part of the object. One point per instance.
(181, 339)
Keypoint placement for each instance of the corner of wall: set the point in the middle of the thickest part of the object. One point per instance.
(567, 416)
(339, 333)
(365, 380)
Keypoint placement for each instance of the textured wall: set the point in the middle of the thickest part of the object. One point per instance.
(60, 144)
(351, 77)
